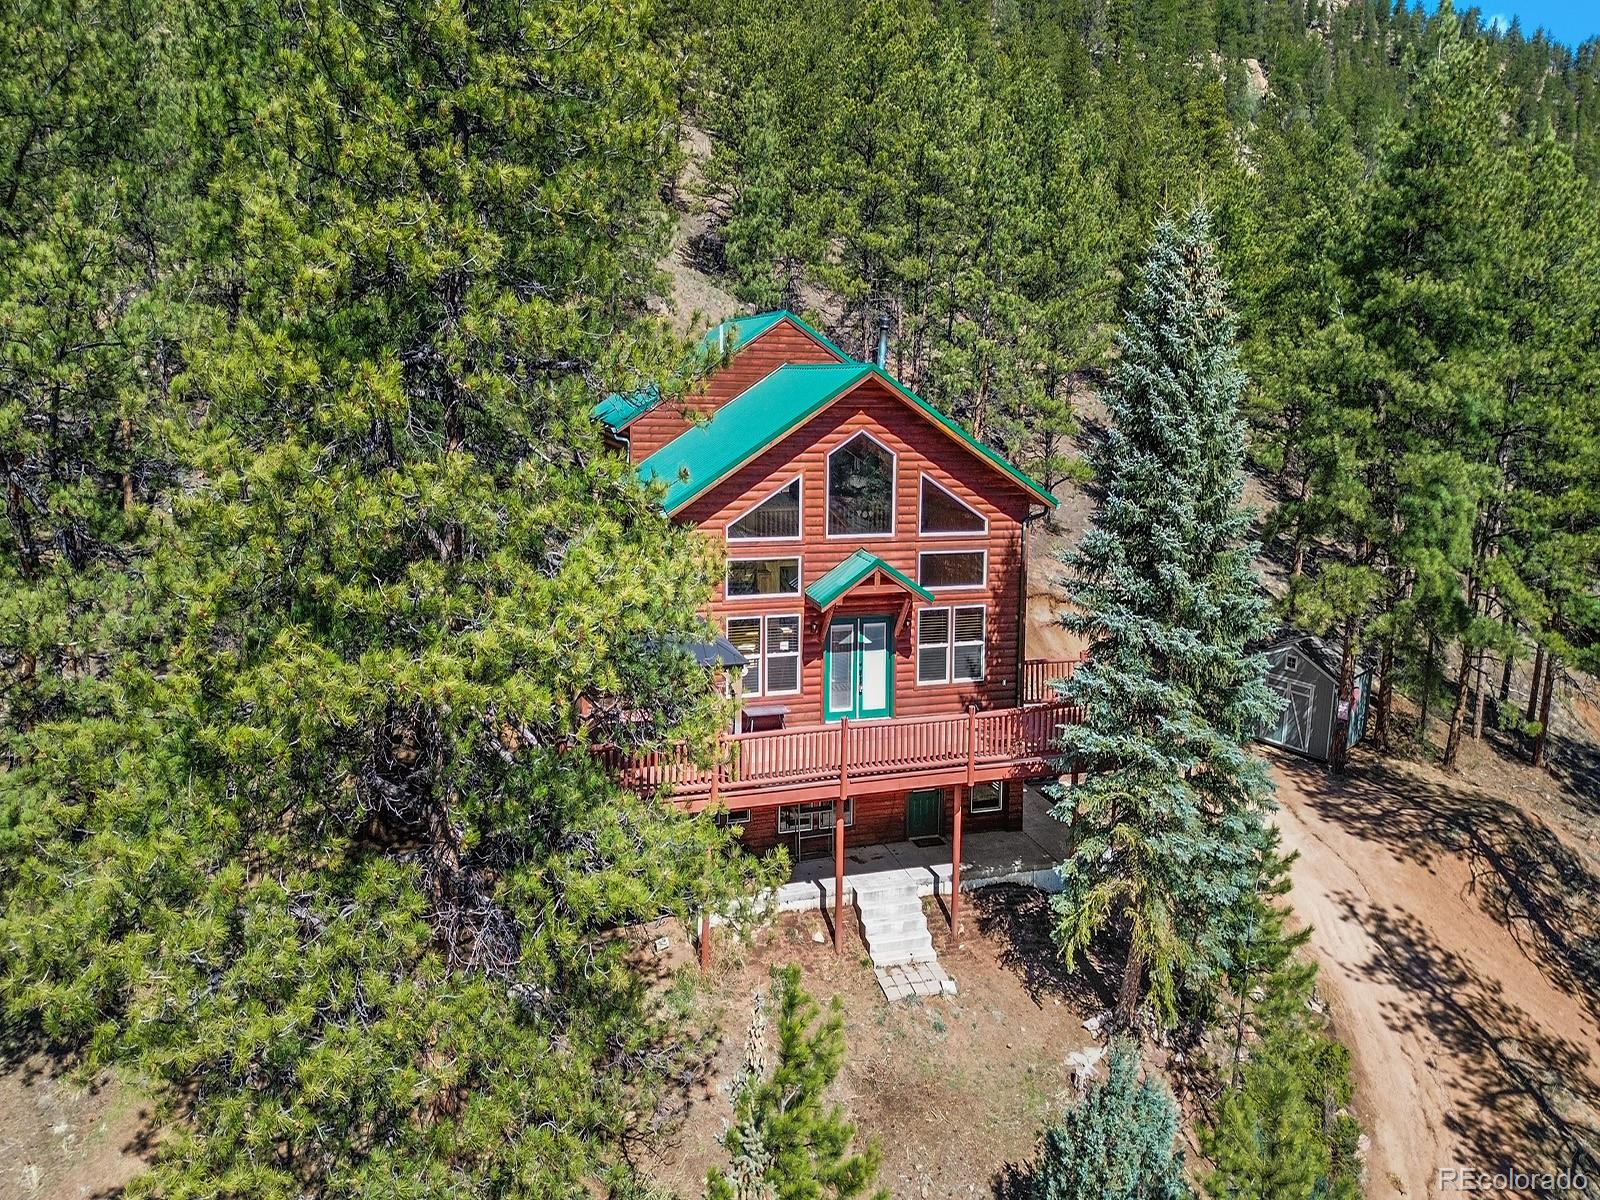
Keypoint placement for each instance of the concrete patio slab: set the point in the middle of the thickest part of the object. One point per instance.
(1028, 856)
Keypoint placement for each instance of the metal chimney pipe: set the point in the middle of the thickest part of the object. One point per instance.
(882, 357)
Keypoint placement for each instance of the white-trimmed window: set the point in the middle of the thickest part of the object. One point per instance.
(987, 798)
(941, 513)
(966, 651)
(750, 577)
(813, 818)
(777, 518)
(950, 644)
(933, 645)
(734, 816)
(861, 488)
(938, 569)
(771, 647)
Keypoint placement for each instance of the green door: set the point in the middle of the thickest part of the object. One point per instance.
(859, 668)
(923, 811)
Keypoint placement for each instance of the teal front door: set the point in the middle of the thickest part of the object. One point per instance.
(923, 810)
(859, 668)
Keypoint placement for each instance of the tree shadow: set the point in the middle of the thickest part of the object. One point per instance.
(1020, 919)
(1522, 874)
(1528, 1100)
(1014, 1181)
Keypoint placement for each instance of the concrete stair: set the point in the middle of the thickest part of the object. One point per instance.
(893, 926)
(897, 937)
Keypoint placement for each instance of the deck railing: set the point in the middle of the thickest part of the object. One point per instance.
(1039, 673)
(990, 744)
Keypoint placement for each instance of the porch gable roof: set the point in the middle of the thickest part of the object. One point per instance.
(828, 590)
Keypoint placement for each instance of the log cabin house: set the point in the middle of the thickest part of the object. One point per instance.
(875, 591)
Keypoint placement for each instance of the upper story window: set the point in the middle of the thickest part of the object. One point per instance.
(944, 515)
(861, 488)
(950, 644)
(953, 568)
(763, 577)
(778, 516)
(771, 647)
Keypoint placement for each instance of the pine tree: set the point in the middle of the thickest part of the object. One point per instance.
(1167, 830)
(348, 881)
(1118, 1143)
(786, 1143)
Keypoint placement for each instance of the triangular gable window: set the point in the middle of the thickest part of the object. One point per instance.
(943, 512)
(778, 516)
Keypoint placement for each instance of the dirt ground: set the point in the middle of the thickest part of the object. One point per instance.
(61, 1137)
(1459, 939)
(956, 1089)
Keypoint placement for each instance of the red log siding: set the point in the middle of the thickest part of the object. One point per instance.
(879, 818)
(919, 447)
(784, 343)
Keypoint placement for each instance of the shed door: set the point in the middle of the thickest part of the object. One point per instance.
(1294, 726)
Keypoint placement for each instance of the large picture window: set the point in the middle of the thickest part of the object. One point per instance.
(778, 516)
(771, 647)
(763, 577)
(953, 568)
(950, 644)
(861, 489)
(944, 515)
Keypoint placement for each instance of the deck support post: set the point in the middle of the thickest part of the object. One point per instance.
(955, 834)
(705, 915)
(838, 835)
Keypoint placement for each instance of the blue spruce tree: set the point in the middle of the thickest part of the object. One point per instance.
(1168, 828)
(1118, 1143)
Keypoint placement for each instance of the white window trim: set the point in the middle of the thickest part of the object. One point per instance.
(730, 536)
(813, 806)
(982, 585)
(916, 646)
(1000, 802)
(950, 643)
(924, 531)
(757, 670)
(763, 597)
(798, 655)
(734, 816)
(827, 490)
(982, 643)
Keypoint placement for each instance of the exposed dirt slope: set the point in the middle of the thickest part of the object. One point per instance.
(1457, 936)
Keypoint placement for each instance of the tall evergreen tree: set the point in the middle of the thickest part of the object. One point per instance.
(348, 884)
(1167, 830)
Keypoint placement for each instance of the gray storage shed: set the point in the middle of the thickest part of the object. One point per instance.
(1304, 670)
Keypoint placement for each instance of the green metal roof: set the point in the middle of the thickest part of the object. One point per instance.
(760, 415)
(773, 407)
(852, 571)
(617, 410)
(741, 331)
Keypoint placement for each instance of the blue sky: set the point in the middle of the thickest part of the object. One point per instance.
(1570, 21)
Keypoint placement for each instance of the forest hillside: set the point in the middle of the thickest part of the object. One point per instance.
(1407, 210)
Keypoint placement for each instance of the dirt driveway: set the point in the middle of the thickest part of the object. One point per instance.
(1460, 943)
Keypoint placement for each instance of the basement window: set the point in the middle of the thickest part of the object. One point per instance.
(813, 818)
(987, 798)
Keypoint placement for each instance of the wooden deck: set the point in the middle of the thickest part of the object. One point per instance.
(789, 766)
